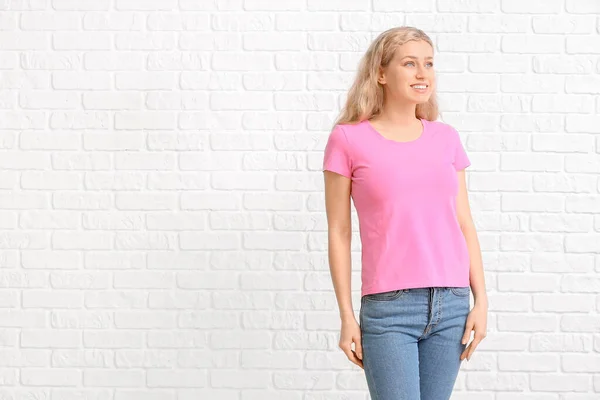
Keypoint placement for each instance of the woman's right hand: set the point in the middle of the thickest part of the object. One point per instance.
(350, 333)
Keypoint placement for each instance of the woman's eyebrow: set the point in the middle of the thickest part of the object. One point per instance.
(416, 58)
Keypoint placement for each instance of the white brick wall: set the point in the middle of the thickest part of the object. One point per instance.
(162, 223)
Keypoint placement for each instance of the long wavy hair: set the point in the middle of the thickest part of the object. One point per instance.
(365, 97)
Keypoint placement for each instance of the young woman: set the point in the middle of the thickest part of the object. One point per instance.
(405, 173)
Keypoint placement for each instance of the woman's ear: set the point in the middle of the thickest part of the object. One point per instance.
(381, 76)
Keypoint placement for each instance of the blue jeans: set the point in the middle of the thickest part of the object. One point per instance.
(411, 340)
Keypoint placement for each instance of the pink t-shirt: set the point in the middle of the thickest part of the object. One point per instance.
(405, 197)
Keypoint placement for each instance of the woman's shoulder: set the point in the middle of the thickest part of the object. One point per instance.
(440, 125)
(442, 130)
(350, 130)
(350, 126)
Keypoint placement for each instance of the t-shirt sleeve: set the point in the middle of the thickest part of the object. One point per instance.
(337, 156)
(461, 160)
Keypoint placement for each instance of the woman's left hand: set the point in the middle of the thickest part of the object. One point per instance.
(476, 321)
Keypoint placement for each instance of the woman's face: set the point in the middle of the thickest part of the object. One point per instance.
(412, 64)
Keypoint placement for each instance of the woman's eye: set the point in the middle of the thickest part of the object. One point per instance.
(410, 62)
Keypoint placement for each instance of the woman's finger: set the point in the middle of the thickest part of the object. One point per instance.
(358, 347)
(465, 352)
(353, 358)
(356, 360)
(472, 348)
(351, 355)
(474, 344)
(467, 334)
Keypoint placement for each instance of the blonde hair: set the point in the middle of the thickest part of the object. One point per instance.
(365, 97)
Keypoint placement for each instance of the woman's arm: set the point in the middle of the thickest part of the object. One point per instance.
(467, 226)
(339, 233)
